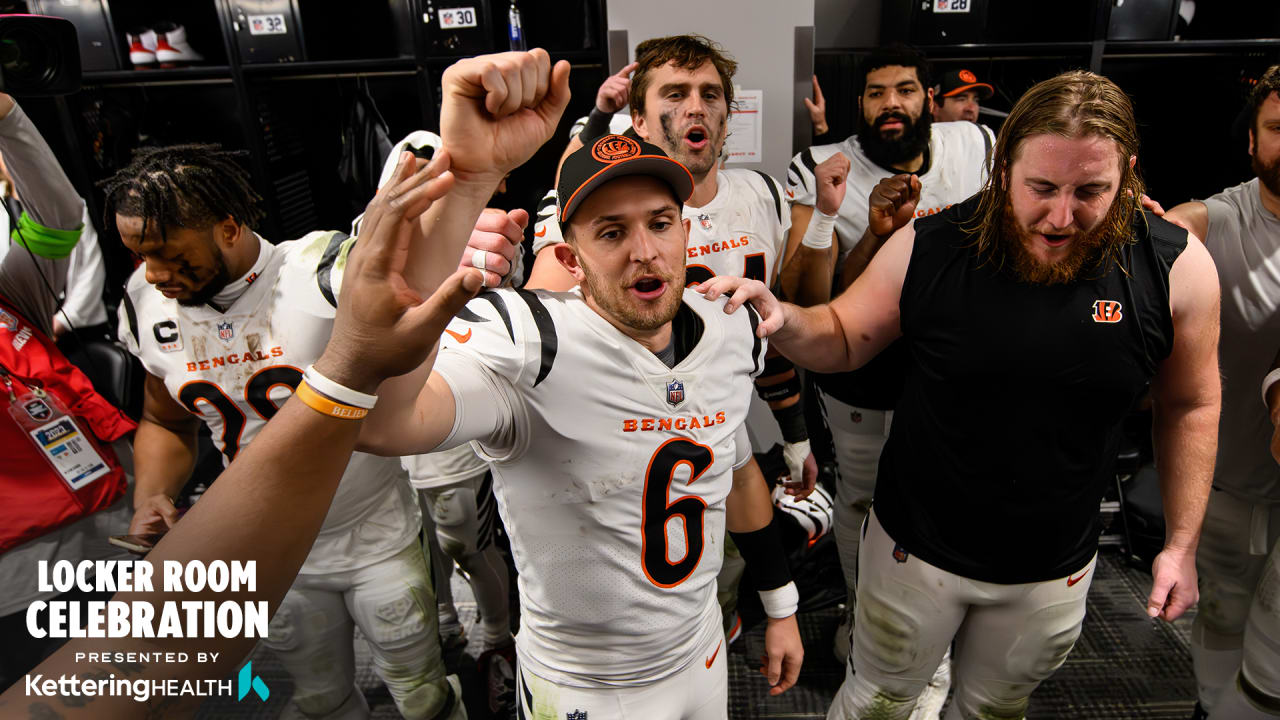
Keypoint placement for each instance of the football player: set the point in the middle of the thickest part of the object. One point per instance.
(224, 321)
(613, 417)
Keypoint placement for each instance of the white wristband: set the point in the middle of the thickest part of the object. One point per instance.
(780, 602)
(334, 391)
(1272, 378)
(818, 234)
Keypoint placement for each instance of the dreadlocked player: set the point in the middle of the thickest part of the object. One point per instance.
(1035, 314)
(223, 321)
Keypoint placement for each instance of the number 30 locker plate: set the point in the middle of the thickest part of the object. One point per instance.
(461, 17)
(952, 6)
(267, 25)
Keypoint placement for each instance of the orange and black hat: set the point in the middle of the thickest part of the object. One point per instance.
(612, 157)
(958, 81)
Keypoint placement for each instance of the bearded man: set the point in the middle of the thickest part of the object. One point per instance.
(1235, 633)
(1035, 315)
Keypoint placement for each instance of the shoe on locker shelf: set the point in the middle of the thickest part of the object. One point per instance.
(142, 47)
(172, 46)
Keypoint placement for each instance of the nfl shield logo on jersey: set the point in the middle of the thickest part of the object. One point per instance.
(675, 392)
(226, 332)
(705, 220)
(576, 715)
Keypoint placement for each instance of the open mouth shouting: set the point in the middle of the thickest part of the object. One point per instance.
(1055, 240)
(648, 287)
(695, 138)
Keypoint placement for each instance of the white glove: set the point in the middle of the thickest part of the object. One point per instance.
(795, 454)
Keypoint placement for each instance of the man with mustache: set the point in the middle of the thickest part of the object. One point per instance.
(937, 164)
(1236, 630)
(613, 417)
(1036, 314)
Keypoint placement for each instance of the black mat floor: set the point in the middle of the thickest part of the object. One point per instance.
(1125, 665)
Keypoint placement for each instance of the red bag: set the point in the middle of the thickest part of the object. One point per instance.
(34, 497)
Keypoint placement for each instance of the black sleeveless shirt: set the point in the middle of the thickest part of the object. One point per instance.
(1007, 430)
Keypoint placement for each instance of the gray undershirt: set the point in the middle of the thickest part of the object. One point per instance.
(668, 354)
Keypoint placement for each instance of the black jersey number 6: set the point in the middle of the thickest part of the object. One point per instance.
(657, 513)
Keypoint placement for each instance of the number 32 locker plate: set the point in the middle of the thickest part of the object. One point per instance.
(952, 6)
(267, 25)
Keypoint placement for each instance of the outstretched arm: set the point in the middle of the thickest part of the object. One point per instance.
(843, 335)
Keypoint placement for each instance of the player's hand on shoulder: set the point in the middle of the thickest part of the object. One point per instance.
(614, 91)
(785, 654)
(831, 175)
(892, 204)
(494, 243)
(383, 328)
(497, 110)
(741, 290)
(1151, 205)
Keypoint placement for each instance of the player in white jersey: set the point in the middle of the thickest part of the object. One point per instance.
(224, 322)
(1237, 629)
(680, 92)
(613, 418)
(895, 135)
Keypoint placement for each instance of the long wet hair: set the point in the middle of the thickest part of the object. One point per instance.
(192, 186)
(1074, 104)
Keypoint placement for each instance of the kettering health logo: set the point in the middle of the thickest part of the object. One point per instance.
(244, 683)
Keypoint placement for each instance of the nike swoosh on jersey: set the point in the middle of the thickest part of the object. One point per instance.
(711, 660)
(460, 337)
(1073, 580)
(540, 231)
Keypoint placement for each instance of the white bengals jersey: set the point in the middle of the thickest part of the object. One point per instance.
(741, 232)
(958, 153)
(233, 370)
(611, 472)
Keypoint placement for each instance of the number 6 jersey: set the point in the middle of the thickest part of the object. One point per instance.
(234, 369)
(611, 472)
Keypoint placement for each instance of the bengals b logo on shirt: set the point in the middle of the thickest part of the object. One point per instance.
(1107, 311)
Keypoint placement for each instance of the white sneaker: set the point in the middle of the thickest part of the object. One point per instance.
(929, 706)
(171, 45)
(142, 47)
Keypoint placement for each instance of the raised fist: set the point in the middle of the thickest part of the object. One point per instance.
(893, 203)
(497, 110)
(831, 174)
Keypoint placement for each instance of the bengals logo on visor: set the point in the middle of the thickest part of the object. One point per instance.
(966, 76)
(612, 148)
